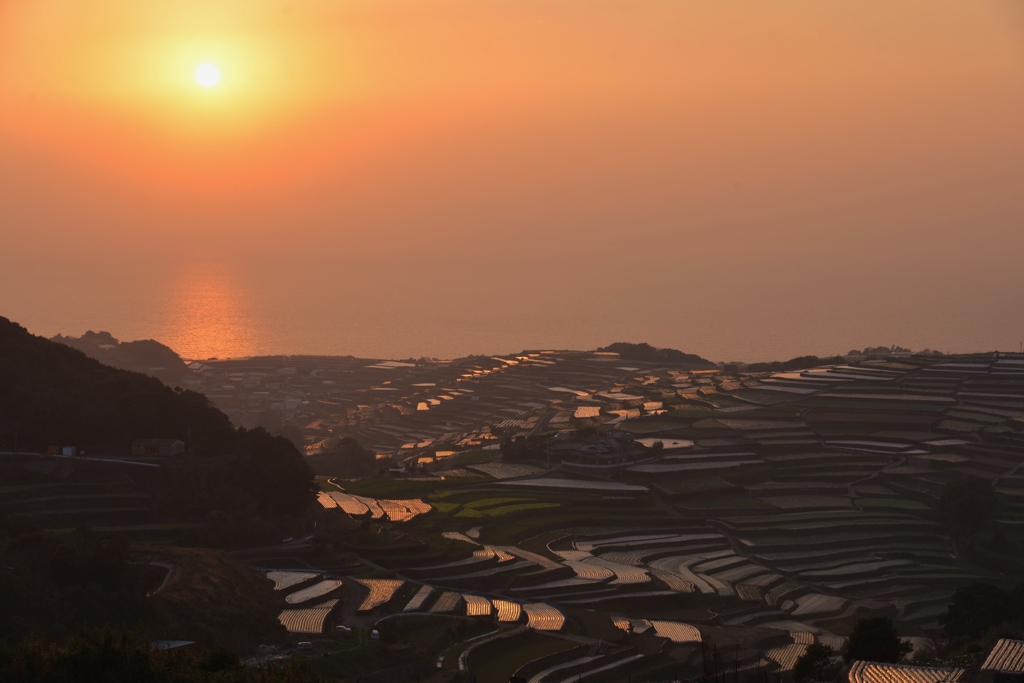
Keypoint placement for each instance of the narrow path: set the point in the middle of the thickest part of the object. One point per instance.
(171, 569)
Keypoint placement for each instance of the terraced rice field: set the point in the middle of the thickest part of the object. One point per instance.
(286, 579)
(350, 504)
(551, 483)
(590, 571)
(376, 511)
(507, 610)
(1006, 656)
(308, 620)
(747, 592)
(631, 625)
(632, 558)
(786, 655)
(837, 643)
(456, 536)
(502, 555)
(403, 510)
(871, 672)
(816, 603)
(381, 591)
(624, 574)
(676, 632)
(543, 617)
(674, 582)
(594, 544)
(477, 606)
(677, 565)
(417, 600)
(776, 594)
(572, 554)
(317, 590)
(723, 588)
(448, 602)
(326, 501)
(501, 470)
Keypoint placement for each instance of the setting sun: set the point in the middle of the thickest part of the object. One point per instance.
(207, 75)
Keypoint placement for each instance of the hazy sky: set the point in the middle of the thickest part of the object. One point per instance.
(740, 179)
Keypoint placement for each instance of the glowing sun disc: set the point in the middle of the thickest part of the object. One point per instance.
(207, 75)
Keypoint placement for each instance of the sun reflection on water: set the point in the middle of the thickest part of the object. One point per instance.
(209, 314)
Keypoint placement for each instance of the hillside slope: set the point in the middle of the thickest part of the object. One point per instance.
(53, 394)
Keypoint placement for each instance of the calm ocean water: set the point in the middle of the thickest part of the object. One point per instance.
(205, 310)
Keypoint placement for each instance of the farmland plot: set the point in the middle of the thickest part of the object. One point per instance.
(710, 566)
(317, 590)
(745, 591)
(381, 591)
(456, 536)
(676, 632)
(478, 556)
(501, 569)
(590, 571)
(286, 579)
(308, 620)
(513, 551)
(723, 588)
(741, 573)
(786, 655)
(1006, 656)
(677, 566)
(632, 625)
(501, 470)
(624, 574)
(805, 502)
(773, 596)
(871, 672)
(549, 483)
(508, 611)
(417, 600)
(477, 606)
(326, 501)
(816, 603)
(552, 585)
(674, 582)
(543, 617)
(502, 554)
(349, 503)
(837, 643)
(763, 581)
(593, 544)
(633, 559)
(403, 510)
(448, 602)
(573, 555)
(852, 570)
(376, 511)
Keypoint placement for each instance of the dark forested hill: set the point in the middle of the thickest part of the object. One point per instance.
(146, 355)
(53, 394)
(648, 353)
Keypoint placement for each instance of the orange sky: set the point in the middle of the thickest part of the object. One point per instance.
(742, 159)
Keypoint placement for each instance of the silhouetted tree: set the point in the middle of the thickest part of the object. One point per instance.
(874, 639)
(978, 607)
(968, 505)
(817, 664)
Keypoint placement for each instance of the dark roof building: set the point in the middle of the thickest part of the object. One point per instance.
(602, 454)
